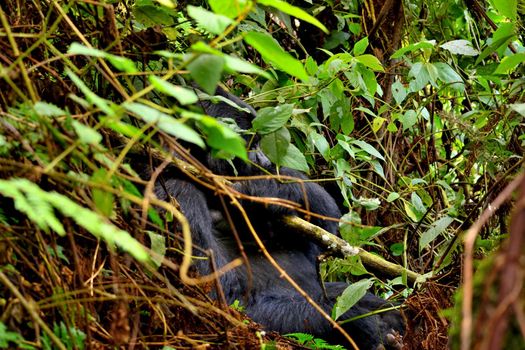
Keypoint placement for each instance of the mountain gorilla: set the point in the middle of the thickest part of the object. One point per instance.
(267, 297)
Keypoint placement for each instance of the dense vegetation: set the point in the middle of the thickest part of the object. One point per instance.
(409, 113)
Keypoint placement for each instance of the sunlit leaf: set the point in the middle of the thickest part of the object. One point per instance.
(272, 52)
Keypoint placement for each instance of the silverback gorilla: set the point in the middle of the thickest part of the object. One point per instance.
(268, 298)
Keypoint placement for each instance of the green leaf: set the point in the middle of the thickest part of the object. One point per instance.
(103, 200)
(449, 76)
(377, 123)
(206, 70)
(519, 107)
(164, 122)
(368, 203)
(460, 47)
(413, 47)
(497, 43)
(86, 134)
(392, 197)
(48, 109)
(411, 212)
(7, 336)
(370, 61)
(272, 52)
(350, 296)
(150, 15)
(435, 230)
(30, 200)
(239, 65)
(294, 159)
(121, 127)
(158, 246)
(123, 64)
(294, 11)
(509, 63)
(397, 249)
(507, 8)
(220, 137)
(421, 77)
(417, 203)
(275, 145)
(360, 46)
(229, 8)
(409, 119)
(38, 206)
(269, 119)
(399, 92)
(368, 148)
(321, 144)
(183, 95)
(213, 23)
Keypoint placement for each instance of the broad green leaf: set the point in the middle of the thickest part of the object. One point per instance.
(519, 107)
(399, 92)
(413, 47)
(411, 212)
(151, 15)
(295, 159)
(449, 76)
(320, 144)
(164, 122)
(121, 127)
(239, 65)
(220, 137)
(392, 197)
(86, 134)
(229, 8)
(368, 148)
(495, 45)
(508, 63)
(360, 46)
(206, 70)
(294, 11)
(272, 52)
(213, 23)
(378, 168)
(408, 119)
(421, 77)
(275, 145)
(507, 8)
(397, 249)
(48, 109)
(460, 47)
(231, 63)
(417, 203)
(269, 119)
(432, 73)
(350, 296)
(370, 61)
(158, 246)
(368, 203)
(103, 200)
(183, 95)
(369, 79)
(123, 64)
(435, 230)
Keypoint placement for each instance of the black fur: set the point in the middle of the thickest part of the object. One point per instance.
(269, 299)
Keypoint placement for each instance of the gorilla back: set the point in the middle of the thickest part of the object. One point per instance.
(268, 298)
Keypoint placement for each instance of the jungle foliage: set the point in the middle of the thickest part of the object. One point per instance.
(409, 113)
